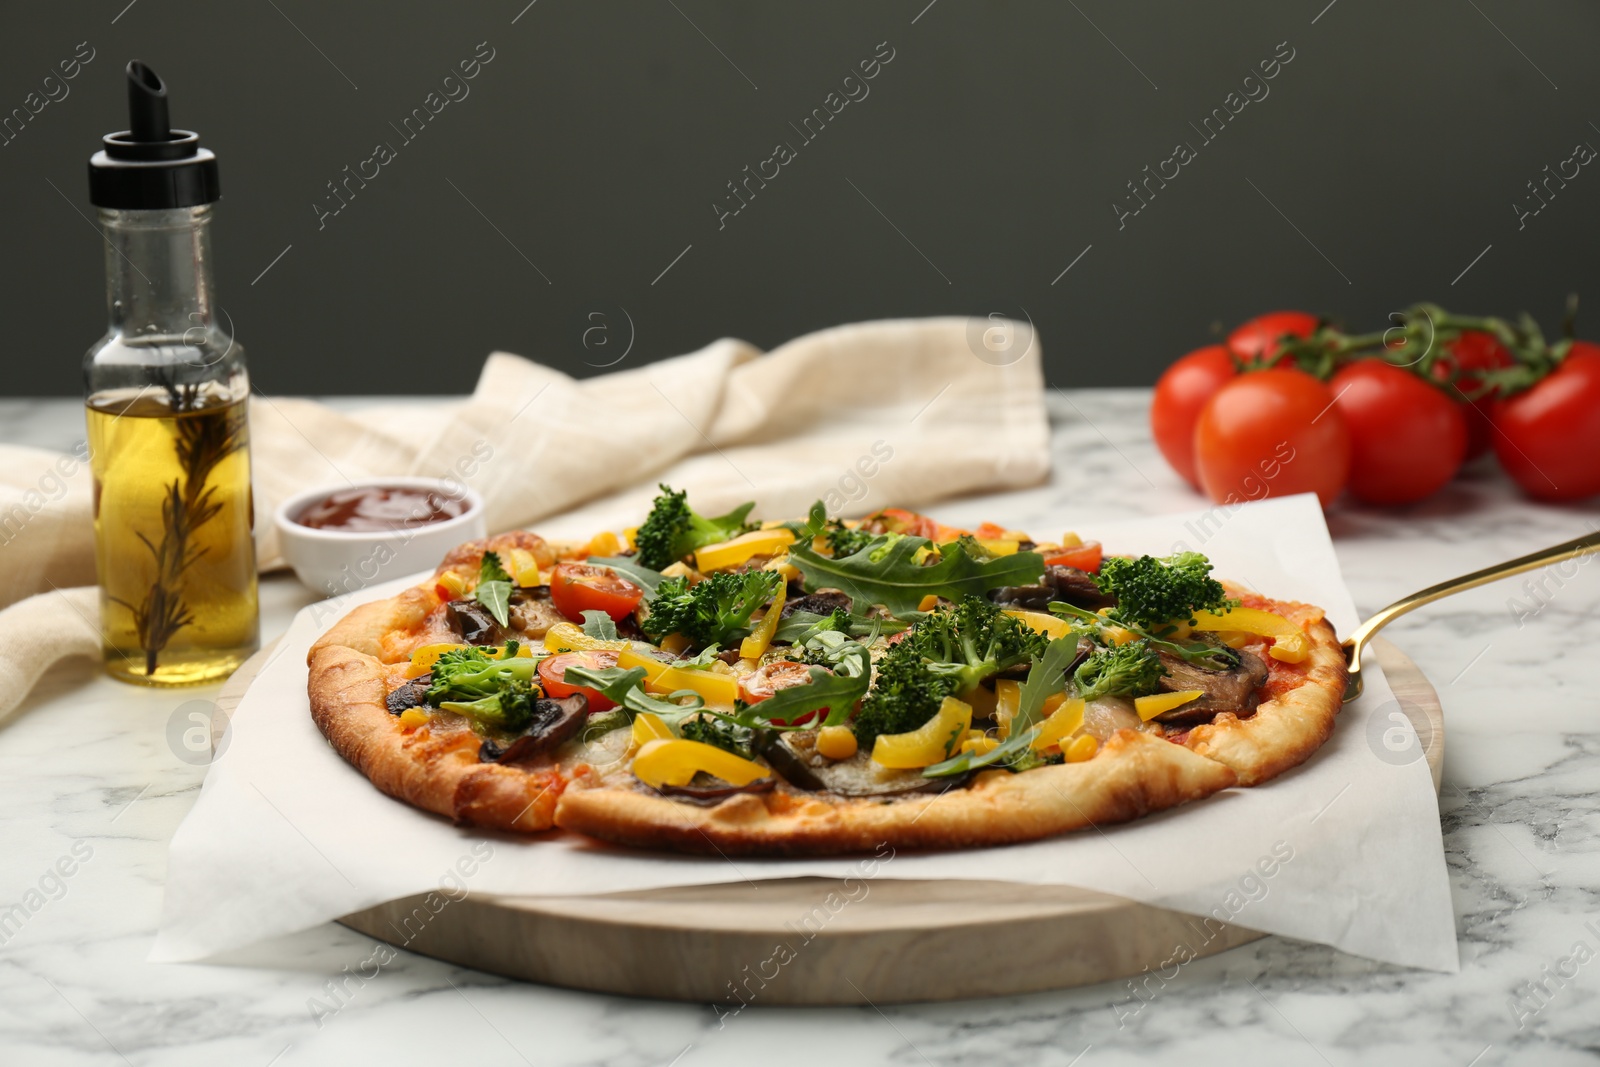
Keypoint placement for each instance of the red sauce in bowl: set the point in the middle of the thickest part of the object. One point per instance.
(379, 509)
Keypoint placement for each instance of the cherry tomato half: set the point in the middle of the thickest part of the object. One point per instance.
(899, 520)
(1464, 359)
(1407, 437)
(1085, 557)
(1272, 433)
(579, 587)
(781, 674)
(553, 672)
(1261, 338)
(1548, 437)
(1181, 391)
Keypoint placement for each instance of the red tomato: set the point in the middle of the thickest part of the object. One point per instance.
(1464, 358)
(1180, 394)
(553, 671)
(989, 531)
(1272, 433)
(899, 520)
(578, 587)
(782, 674)
(1408, 438)
(1085, 557)
(1548, 437)
(1261, 337)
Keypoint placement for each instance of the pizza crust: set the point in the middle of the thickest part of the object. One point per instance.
(1134, 774)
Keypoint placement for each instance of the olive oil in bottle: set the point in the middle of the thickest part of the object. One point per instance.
(167, 401)
(172, 536)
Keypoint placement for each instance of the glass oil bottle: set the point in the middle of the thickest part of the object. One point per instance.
(167, 397)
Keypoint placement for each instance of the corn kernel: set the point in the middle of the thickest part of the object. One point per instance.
(1071, 540)
(1082, 748)
(836, 742)
(452, 582)
(412, 718)
(928, 603)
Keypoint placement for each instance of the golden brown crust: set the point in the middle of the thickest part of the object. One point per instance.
(1133, 775)
(1287, 729)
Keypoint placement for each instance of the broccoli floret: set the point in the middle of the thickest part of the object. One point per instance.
(721, 733)
(973, 641)
(947, 653)
(905, 695)
(714, 612)
(673, 529)
(843, 541)
(1153, 592)
(495, 694)
(1132, 670)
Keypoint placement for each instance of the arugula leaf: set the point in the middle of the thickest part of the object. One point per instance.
(894, 580)
(813, 524)
(626, 688)
(1046, 677)
(800, 626)
(494, 588)
(598, 624)
(702, 660)
(631, 569)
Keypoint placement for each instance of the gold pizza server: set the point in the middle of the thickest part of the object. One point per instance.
(1357, 641)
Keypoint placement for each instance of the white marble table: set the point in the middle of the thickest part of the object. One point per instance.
(88, 779)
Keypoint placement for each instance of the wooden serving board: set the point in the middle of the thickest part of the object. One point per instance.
(818, 941)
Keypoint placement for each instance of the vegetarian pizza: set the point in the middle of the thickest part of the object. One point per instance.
(717, 684)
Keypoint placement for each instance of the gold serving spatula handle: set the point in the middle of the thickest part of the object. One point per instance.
(1357, 641)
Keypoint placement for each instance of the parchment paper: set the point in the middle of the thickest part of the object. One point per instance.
(1345, 850)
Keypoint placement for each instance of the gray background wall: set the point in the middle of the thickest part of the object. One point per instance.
(588, 155)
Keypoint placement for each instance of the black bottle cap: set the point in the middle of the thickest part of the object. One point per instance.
(151, 166)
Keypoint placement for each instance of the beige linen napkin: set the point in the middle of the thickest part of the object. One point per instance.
(864, 415)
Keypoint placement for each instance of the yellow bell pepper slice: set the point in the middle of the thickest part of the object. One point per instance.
(413, 718)
(727, 554)
(675, 761)
(1070, 539)
(980, 745)
(452, 583)
(1048, 625)
(1007, 701)
(605, 543)
(1157, 703)
(523, 567)
(1062, 723)
(1289, 642)
(569, 637)
(931, 742)
(999, 546)
(781, 564)
(752, 646)
(648, 727)
(713, 687)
